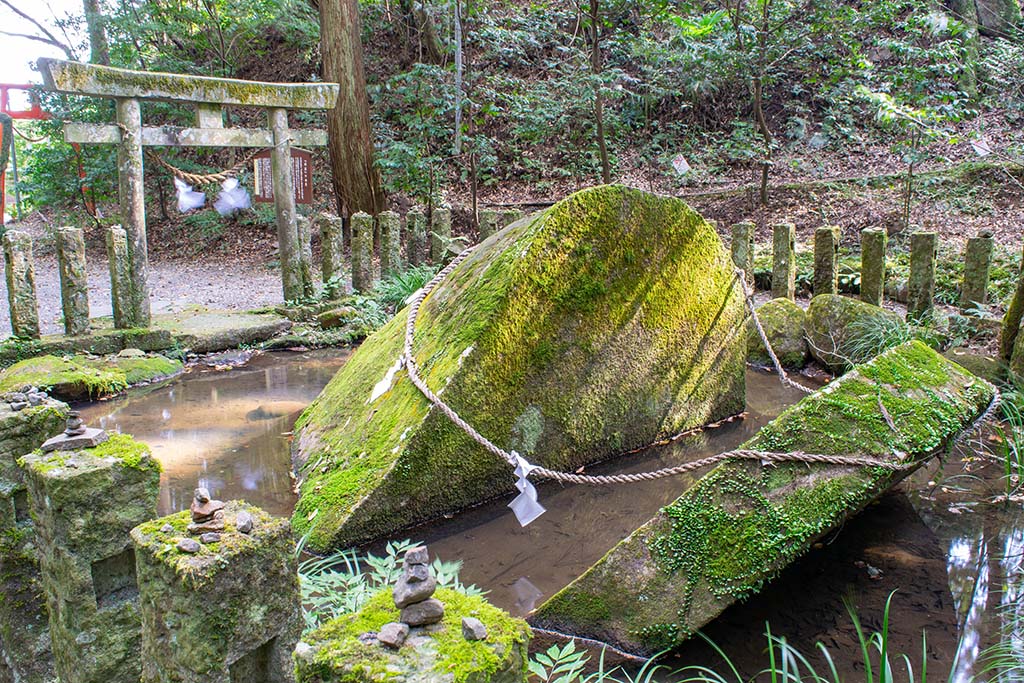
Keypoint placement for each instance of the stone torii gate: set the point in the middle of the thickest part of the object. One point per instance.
(209, 96)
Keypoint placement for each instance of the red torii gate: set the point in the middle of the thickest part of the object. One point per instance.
(33, 113)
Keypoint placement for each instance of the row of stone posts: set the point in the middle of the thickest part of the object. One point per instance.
(74, 285)
(825, 279)
(129, 596)
(425, 240)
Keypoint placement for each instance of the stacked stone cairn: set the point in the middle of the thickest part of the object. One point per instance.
(208, 522)
(413, 596)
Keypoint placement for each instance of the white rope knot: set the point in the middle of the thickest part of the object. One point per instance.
(525, 505)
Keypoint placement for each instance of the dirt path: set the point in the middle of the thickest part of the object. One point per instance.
(174, 286)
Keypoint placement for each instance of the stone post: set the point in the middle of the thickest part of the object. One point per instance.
(977, 264)
(489, 219)
(228, 612)
(24, 626)
(390, 243)
(85, 503)
(120, 276)
(440, 234)
(921, 284)
(74, 285)
(510, 216)
(284, 206)
(132, 194)
(304, 229)
(826, 260)
(332, 246)
(743, 248)
(21, 284)
(872, 265)
(416, 228)
(783, 261)
(363, 279)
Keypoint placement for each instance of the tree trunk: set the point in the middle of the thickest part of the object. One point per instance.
(99, 49)
(1011, 321)
(422, 25)
(595, 67)
(356, 179)
(998, 18)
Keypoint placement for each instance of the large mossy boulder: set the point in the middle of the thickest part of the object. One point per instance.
(345, 650)
(605, 322)
(76, 378)
(742, 523)
(783, 324)
(842, 331)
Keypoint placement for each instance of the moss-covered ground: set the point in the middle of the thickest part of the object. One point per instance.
(82, 377)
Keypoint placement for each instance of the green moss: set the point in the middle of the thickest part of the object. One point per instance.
(584, 321)
(341, 657)
(783, 324)
(64, 377)
(121, 447)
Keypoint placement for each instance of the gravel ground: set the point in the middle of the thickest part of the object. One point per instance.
(174, 286)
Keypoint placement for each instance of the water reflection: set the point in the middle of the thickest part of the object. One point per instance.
(228, 431)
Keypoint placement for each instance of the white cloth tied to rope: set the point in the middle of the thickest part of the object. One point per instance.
(188, 200)
(525, 505)
(232, 198)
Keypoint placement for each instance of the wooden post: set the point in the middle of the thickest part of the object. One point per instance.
(743, 248)
(284, 205)
(132, 194)
(784, 261)
(74, 285)
(390, 228)
(120, 276)
(21, 284)
(977, 264)
(872, 265)
(416, 229)
(921, 285)
(826, 260)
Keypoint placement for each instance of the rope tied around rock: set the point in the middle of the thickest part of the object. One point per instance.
(524, 469)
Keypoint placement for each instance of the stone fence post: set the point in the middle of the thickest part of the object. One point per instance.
(120, 276)
(784, 261)
(74, 283)
(332, 246)
(21, 284)
(977, 265)
(872, 265)
(826, 260)
(921, 284)
(489, 219)
(222, 611)
(84, 503)
(363, 276)
(416, 230)
(390, 243)
(743, 248)
(304, 231)
(440, 234)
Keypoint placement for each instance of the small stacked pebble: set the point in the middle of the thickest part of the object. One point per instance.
(208, 522)
(25, 397)
(413, 596)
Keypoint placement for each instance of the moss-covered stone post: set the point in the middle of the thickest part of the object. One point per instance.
(921, 284)
(284, 205)
(826, 260)
(85, 503)
(229, 611)
(743, 248)
(332, 245)
(390, 243)
(488, 223)
(304, 230)
(363, 279)
(872, 265)
(74, 285)
(132, 196)
(977, 264)
(783, 261)
(440, 234)
(416, 229)
(21, 284)
(24, 625)
(120, 276)
(510, 216)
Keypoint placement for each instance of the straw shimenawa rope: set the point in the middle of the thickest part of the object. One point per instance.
(409, 361)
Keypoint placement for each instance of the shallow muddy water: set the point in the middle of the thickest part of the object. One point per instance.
(956, 566)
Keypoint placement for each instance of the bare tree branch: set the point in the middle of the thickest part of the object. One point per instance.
(48, 38)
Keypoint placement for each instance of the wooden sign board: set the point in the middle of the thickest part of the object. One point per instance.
(302, 176)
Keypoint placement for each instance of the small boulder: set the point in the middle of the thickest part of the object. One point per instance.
(473, 629)
(843, 332)
(393, 634)
(131, 353)
(337, 317)
(189, 545)
(783, 323)
(243, 522)
(210, 537)
(429, 611)
(407, 592)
